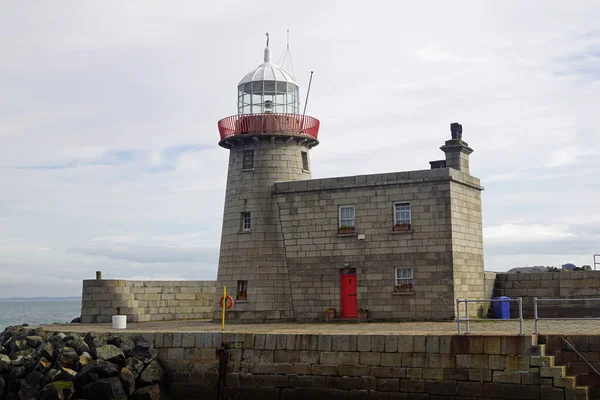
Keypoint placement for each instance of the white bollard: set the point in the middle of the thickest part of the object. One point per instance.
(119, 321)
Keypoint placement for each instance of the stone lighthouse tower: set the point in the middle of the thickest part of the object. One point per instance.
(268, 141)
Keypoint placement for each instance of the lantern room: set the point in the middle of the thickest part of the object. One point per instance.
(268, 89)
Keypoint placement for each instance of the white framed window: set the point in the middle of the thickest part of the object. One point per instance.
(404, 280)
(242, 290)
(248, 159)
(402, 214)
(246, 221)
(346, 217)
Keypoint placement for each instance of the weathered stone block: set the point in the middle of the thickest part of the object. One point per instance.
(324, 369)
(471, 389)
(549, 392)
(391, 359)
(480, 375)
(456, 374)
(388, 384)
(506, 376)
(370, 358)
(412, 385)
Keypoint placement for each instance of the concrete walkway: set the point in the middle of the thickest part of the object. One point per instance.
(590, 327)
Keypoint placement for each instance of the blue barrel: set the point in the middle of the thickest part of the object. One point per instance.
(502, 308)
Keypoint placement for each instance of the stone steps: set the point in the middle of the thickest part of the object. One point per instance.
(574, 388)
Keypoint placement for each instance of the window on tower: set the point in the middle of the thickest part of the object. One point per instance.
(248, 159)
(305, 161)
(242, 290)
(246, 221)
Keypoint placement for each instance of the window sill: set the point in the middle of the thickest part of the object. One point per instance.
(242, 301)
(403, 293)
(306, 171)
(402, 232)
(247, 169)
(244, 231)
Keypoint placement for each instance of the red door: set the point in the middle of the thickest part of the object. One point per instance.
(348, 292)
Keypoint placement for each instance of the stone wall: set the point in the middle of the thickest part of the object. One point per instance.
(552, 285)
(315, 251)
(146, 300)
(280, 366)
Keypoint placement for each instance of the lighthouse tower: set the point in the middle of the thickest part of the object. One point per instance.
(268, 141)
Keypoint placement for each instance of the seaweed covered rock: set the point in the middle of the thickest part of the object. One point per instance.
(35, 364)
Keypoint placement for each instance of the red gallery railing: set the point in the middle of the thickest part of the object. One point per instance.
(268, 123)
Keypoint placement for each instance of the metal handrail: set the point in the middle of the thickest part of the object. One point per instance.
(596, 262)
(536, 318)
(268, 123)
(580, 355)
(518, 300)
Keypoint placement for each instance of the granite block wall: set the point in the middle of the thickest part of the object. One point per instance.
(289, 366)
(144, 301)
(553, 285)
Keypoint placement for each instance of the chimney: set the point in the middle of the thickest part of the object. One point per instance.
(457, 151)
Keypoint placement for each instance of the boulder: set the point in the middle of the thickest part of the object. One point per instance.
(134, 365)
(128, 381)
(46, 350)
(66, 374)
(34, 378)
(105, 389)
(34, 341)
(95, 370)
(50, 376)
(68, 358)
(153, 373)
(84, 359)
(2, 386)
(151, 392)
(43, 365)
(95, 340)
(110, 353)
(27, 392)
(4, 363)
(125, 343)
(143, 351)
(59, 390)
(76, 320)
(77, 342)
(17, 372)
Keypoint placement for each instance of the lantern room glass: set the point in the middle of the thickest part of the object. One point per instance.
(265, 97)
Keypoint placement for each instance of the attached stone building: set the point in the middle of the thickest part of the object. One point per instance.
(405, 244)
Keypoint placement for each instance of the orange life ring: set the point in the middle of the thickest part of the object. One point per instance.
(230, 301)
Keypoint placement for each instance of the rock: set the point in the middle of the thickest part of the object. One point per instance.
(66, 374)
(4, 363)
(2, 386)
(125, 343)
(76, 342)
(134, 365)
(47, 351)
(59, 390)
(50, 376)
(19, 345)
(3, 350)
(95, 340)
(84, 359)
(151, 392)
(128, 381)
(27, 353)
(143, 351)
(34, 378)
(68, 358)
(153, 373)
(105, 389)
(17, 372)
(28, 393)
(95, 370)
(34, 341)
(43, 365)
(110, 353)
(76, 320)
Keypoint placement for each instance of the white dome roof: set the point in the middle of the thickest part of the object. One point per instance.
(268, 71)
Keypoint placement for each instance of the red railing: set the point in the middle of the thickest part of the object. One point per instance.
(268, 123)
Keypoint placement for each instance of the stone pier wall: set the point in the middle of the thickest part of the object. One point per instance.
(552, 285)
(280, 366)
(145, 301)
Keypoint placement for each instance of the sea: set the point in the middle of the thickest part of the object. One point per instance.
(38, 311)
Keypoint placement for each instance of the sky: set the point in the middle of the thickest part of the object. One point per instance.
(108, 122)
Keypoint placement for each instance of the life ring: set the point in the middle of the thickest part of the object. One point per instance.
(230, 301)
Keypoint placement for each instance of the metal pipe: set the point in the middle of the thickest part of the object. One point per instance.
(306, 101)
(520, 316)
(458, 314)
(535, 317)
(467, 312)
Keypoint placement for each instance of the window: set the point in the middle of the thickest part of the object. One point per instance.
(242, 290)
(402, 214)
(346, 217)
(246, 221)
(404, 280)
(305, 161)
(248, 160)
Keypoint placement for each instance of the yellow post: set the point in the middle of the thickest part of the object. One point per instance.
(223, 308)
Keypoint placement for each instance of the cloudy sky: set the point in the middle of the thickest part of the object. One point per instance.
(108, 138)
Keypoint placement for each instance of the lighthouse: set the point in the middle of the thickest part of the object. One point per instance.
(269, 141)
